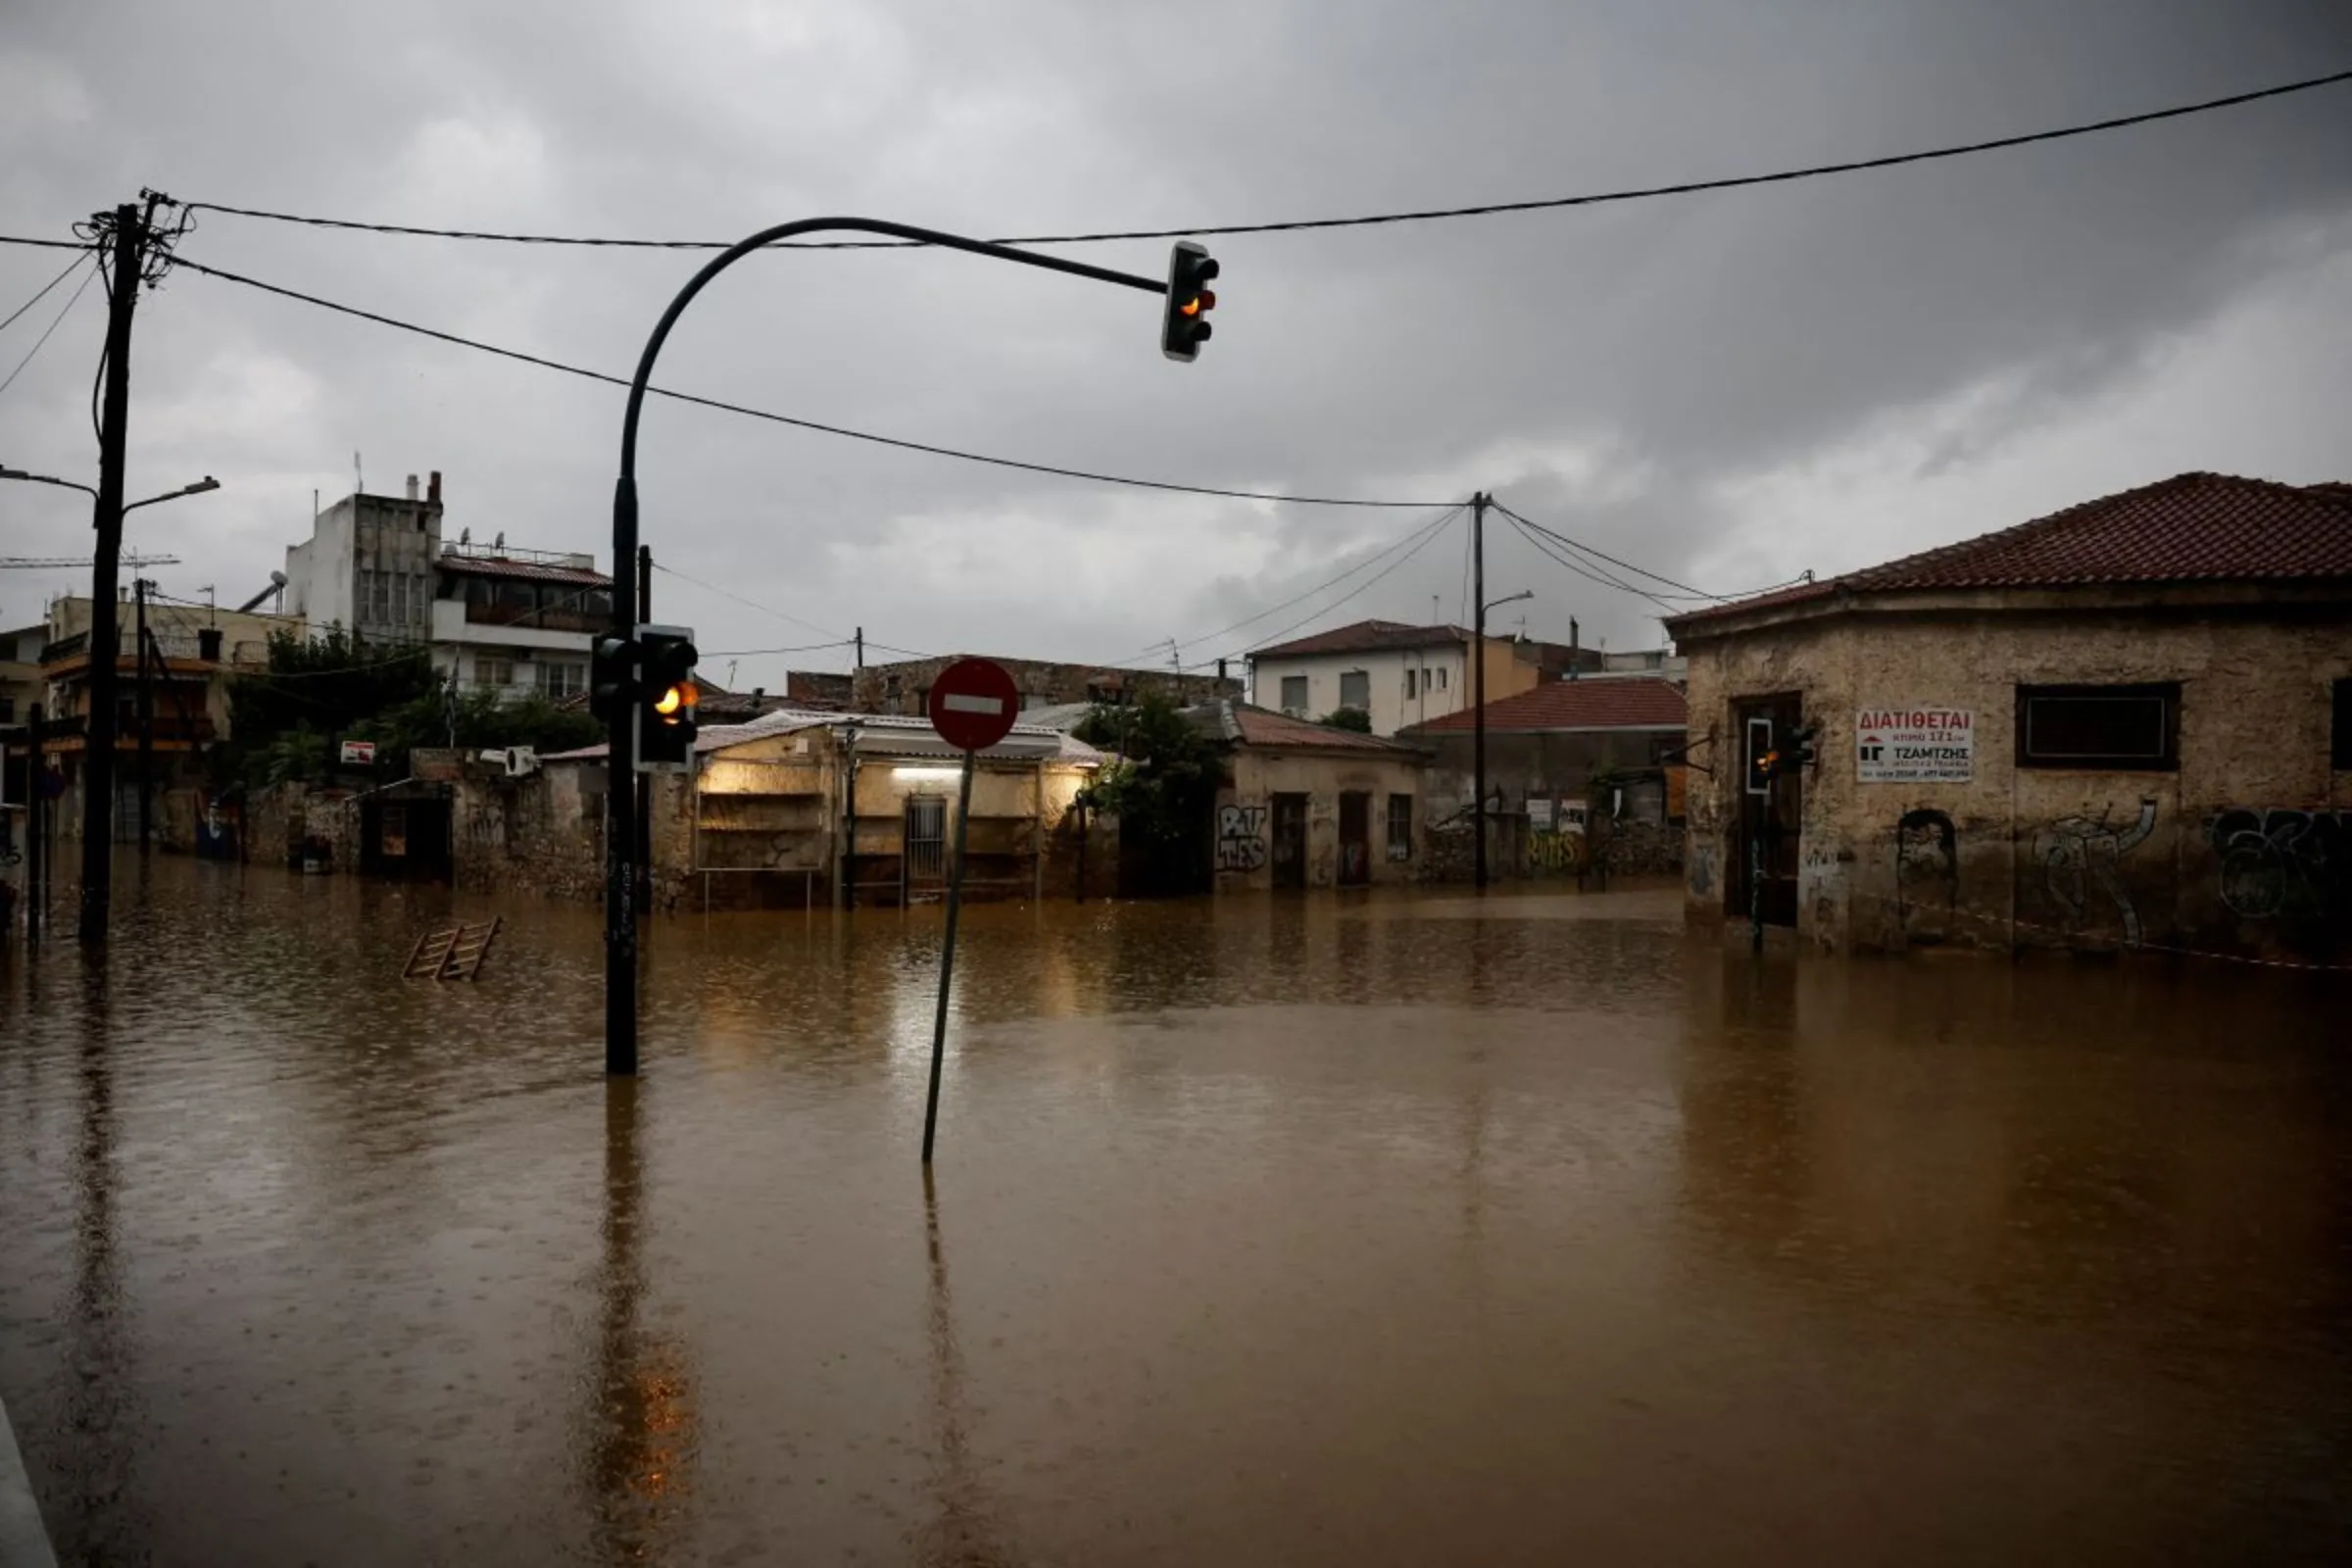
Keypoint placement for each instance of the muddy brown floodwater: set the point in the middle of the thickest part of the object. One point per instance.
(1287, 1232)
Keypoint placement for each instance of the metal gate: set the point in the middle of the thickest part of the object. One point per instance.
(924, 855)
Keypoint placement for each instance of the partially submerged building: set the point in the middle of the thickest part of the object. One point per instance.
(2127, 724)
(1310, 805)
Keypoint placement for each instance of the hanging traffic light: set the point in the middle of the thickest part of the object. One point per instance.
(1800, 741)
(1185, 327)
(667, 697)
(612, 678)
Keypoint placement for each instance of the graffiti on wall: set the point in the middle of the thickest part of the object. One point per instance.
(2283, 862)
(2080, 852)
(1241, 838)
(1555, 854)
(1926, 871)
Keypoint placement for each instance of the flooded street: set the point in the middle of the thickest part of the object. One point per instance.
(1296, 1231)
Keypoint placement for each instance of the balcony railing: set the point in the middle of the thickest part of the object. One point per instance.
(565, 618)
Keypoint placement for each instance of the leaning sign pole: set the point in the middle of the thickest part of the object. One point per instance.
(972, 705)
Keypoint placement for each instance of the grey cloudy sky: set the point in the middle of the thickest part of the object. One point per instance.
(1726, 387)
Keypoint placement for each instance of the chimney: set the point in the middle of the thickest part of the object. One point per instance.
(411, 487)
(432, 489)
(1573, 654)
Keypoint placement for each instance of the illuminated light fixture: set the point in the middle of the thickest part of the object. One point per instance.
(926, 775)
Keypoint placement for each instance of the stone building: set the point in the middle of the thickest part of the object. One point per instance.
(1309, 806)
(904, 688)
(1396, 674)
(2125, 725)
(1547, 752)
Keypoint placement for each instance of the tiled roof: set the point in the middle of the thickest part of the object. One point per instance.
(2193, 528)
(527, 571)
(1595, 702)
(1262, 727)
(1366, 636)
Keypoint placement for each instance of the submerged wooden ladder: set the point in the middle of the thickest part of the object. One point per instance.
(452, 954)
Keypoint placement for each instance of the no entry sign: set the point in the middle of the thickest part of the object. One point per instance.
(973, 704)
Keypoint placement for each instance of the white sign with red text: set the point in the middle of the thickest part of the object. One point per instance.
(1918, 743)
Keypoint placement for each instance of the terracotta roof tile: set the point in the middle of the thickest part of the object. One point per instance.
(1366, 636)
(1595, 702)
(2193, 528)
(527, 570)
(1263, 727)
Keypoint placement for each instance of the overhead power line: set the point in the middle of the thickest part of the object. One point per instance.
(1623, 566)
(47, 244)
(753, 604)
(1545, 547)
(1410, 536)
(821, 428)
(1364, 587)
(54, 323)
(43, 294)
(1429, 214)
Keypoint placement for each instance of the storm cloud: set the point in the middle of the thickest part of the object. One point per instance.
(1725, 387)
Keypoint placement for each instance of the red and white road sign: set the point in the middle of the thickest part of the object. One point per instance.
(973, 704)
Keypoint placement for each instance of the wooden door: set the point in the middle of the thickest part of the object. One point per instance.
(1289, 841)
(1356, 838)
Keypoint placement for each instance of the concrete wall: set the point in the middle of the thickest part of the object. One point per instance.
(1539, 763)
(387, 535)
(1385, 671)
(2242, 848)
(1244, 824)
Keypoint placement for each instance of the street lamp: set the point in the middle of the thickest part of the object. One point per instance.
(208, 483)
(1507, 599)
(620, 793)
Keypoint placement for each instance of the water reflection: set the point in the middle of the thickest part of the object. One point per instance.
(965, 1529)
(639, 1435)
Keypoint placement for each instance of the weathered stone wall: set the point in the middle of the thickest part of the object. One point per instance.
(1245, 820)
(2225, 853)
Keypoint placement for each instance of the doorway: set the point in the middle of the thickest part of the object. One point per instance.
(1765, 851)
(923, 848)
(1289, 841)
(1356, 838)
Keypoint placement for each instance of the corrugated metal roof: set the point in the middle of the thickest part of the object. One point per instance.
(523, 570)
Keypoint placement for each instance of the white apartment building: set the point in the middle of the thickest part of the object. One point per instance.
(502, 619)
(1398, 675)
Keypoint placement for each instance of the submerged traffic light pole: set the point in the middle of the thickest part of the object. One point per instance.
(1183, 329)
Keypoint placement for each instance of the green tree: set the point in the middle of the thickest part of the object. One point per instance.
(284, 718)
(1348, 719)
(1162, 785)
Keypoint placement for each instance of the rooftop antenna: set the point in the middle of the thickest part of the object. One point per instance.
(1433, 610)
(358, 482)
(730, 675)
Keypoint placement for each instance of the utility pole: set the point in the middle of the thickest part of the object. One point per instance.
(37, 835)
(1478, 685)
(645, 796)
(126, 231)
(146, 720)
(859, 668)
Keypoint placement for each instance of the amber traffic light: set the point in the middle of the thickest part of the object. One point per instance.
(1185, 325)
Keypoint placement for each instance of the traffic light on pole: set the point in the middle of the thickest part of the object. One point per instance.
(667, 697)
(612, 678)
(1768, 767)
(1185, 327)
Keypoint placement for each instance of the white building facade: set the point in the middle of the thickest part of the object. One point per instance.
(1397, 675)
(506, 620)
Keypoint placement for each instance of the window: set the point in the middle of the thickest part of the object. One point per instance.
(7, 710)
(493, 672)
(2341, 752)
(560, 678)
(1356, 690)
(1439, 672)
(1293, 694)
(2098, 727)
(1400, 827)
(1408, 685)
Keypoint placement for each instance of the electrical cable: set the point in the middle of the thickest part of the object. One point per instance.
(1362, 588)
(53, 326)
(798, 423)
(43, 294)
(1485, 210)
(752, 604)
(1626, 566)
(1274, 610)
(50, 244)
(759, 653)
(1547, 550)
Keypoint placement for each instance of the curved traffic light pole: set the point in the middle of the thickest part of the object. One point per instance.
(620, 838)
